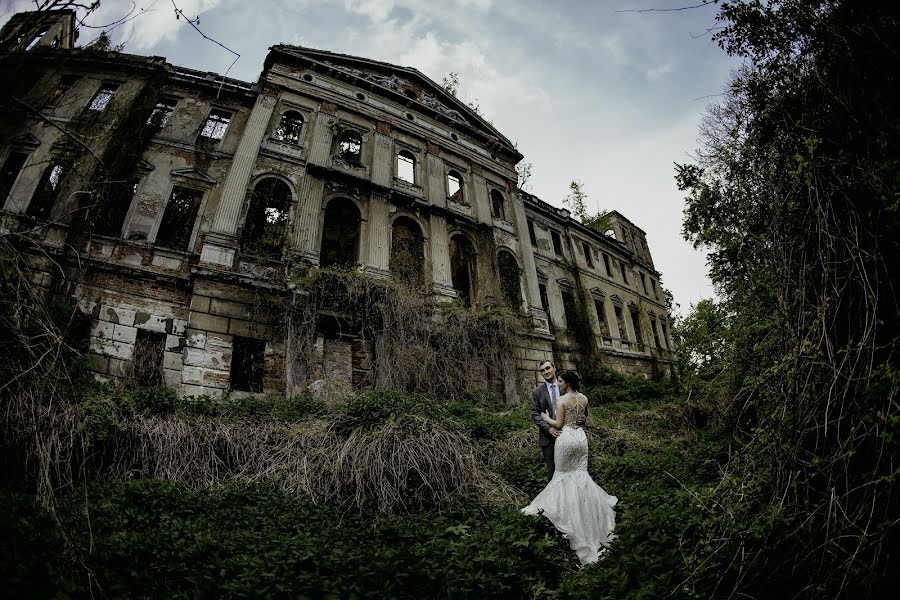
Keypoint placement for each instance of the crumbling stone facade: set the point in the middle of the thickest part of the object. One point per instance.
(212, 189)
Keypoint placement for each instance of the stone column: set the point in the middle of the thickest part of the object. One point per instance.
(436, 187)
(539, 316)
(220, 244)
(480, 199)
(383, 156)
(442, 283)
(379, 238)
(307, 223)
(320, 147)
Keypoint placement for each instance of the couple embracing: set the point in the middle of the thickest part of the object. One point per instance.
(576, 506)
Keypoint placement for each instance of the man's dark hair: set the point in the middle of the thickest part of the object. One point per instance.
(571, 378)
(541, 364)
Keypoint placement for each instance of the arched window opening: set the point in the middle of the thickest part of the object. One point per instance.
(267, 215)
(406, 166)
(510, 286)
(498, 210)
(340, 235)
(462, 268)
(407, 252)
(350, 147)
(289, 127)
(454, 187)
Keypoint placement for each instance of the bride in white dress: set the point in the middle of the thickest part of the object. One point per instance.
(576, 506)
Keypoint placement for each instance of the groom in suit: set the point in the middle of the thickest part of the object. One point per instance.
(543, 398)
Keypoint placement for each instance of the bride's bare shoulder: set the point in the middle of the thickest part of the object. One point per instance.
(582, 398)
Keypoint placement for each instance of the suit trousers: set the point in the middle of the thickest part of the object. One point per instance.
(549, 458)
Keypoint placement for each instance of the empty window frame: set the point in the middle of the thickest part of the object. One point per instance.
(407, 260)
(12, 166)
(545, 301)
(113, 206)
(248, 360)
(462, 268)
(406, 166)
(557, 243)
(103, 97)
(601, 317)
(161, 113)
(178, 218)
(568, 302)
(644, 284)
(147, 359)
(216, 124)
(350, 147)
(624, 274)
(636, 324)
(531, 234)
(498, 205)
(47, 192)
(37, 39)
(655, 292)
(620, 322)
(587, 254)
(340, 234)
(455, 187)
(289, 127)
(267, 216)
(655, 332)
(606, 264)
(665, 334)
(66, 82)
(510, 281)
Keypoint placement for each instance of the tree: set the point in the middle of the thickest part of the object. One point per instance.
(524, 169)
(576, 201)
(450, 83)
(795, 196)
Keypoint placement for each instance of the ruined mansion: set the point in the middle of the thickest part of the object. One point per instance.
(204, 192)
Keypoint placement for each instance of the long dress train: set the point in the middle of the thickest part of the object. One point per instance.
(576, 506)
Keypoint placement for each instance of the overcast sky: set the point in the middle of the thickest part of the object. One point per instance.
(587, 89)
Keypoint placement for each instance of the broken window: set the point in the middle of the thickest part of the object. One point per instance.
(644, 284)
(266, 221)
(510, 284)
(497, 205)
(48, 190)
(601, 316)
(11, 168)
(178, 218)
(110, 216)
(606, 264)
(340, 235)
(216, 124)
(624, 275)
(545, 301)
(653, 285)
(462, 268)
(406, 166)
(568, 301)
(557, 243)
(147, 360)
(248, 359)
(407, 260)
(587, 254)
(455, 187)
(531, 234)
(655, 332)
(620, 321)
(161, 113)
(636, 323)
(289, 127)
(350, 147)
(665, 334)
(66, 82)
(37, 39)
(102, 97)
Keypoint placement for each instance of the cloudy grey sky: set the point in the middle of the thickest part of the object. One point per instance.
(585, 88)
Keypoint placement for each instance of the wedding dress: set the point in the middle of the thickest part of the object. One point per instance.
(576, 506)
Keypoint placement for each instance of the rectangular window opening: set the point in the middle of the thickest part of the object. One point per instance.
(531, 234)
(557, 243)
(248, 358)
(624, 275)
(161, 113)
(568, 300)
(45, 196)
(216, 124)
(644, 284)
(587, 254)
(11, 169)
(606, 264)
(601, 316)
(103, 97)
(177, 223)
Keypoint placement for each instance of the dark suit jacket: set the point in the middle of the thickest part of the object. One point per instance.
(540, 402)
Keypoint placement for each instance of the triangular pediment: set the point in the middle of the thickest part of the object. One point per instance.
(27, 140)
(194, 174)
(144, 165)
(403, 84)
(597, 293)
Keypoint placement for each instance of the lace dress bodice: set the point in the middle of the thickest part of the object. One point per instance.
(574, 410)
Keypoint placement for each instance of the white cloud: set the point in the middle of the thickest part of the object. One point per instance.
(376, 10)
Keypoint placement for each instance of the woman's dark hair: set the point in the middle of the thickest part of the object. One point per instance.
(571, 378)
